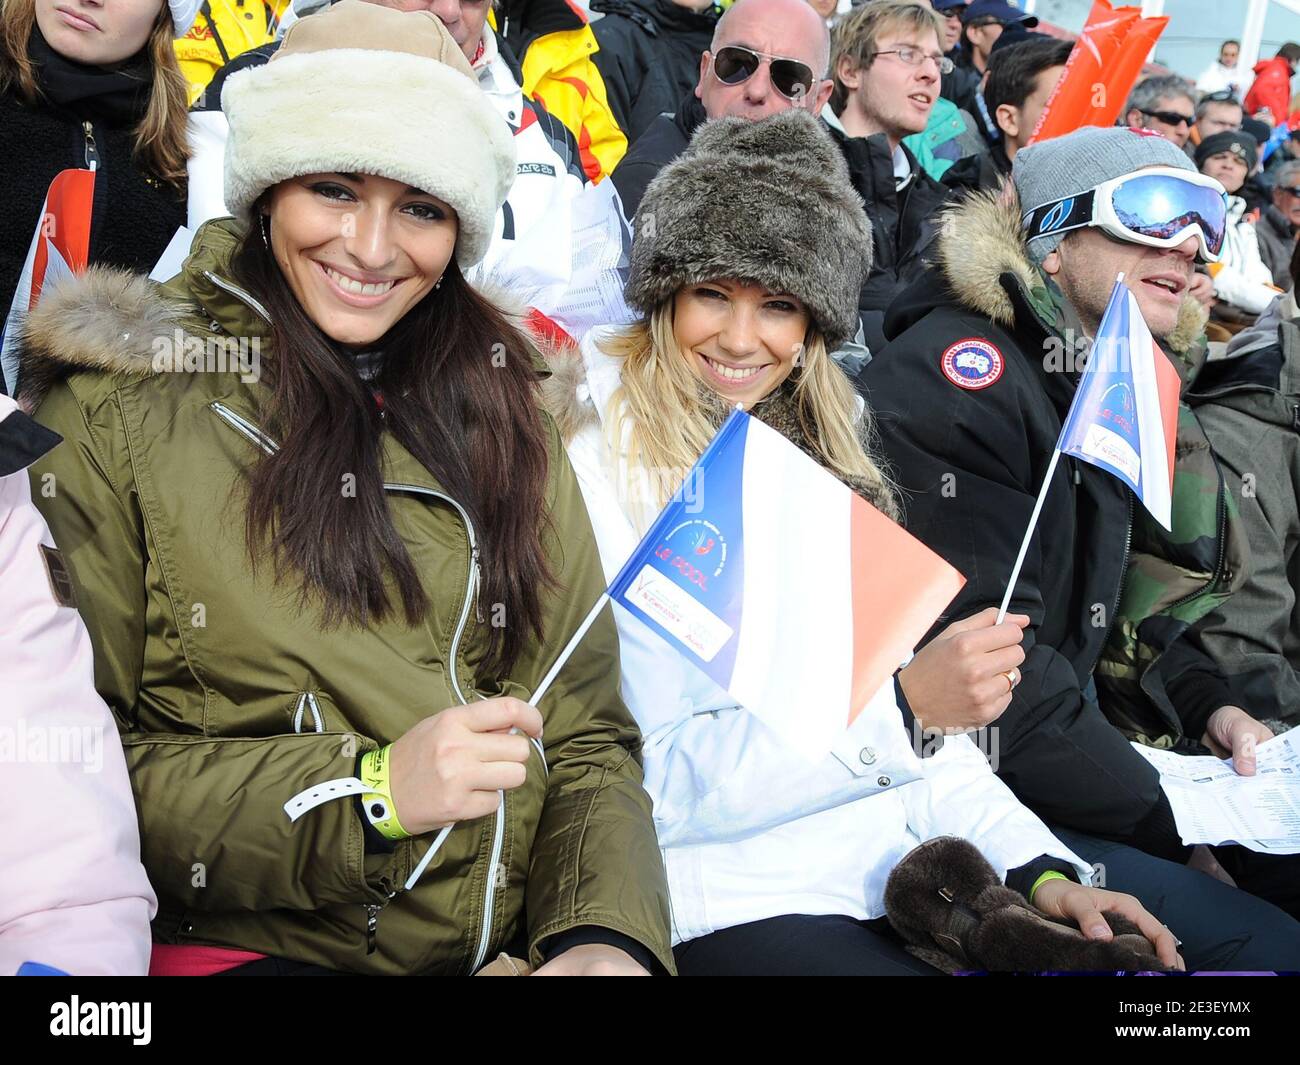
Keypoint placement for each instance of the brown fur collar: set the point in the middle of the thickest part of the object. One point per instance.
(981, 239)
(106, 319)
(569, 408)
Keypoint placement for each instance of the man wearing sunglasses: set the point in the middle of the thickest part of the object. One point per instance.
(766, 56)
(969, 399)
(1163, 105)
(1280, 222)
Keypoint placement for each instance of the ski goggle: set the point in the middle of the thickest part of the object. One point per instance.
(1160, 207)
(733, 65)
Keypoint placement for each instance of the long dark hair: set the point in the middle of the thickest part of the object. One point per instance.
(459, 393)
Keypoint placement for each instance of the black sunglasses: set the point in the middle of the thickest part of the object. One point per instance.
(1169, 118)
(1223, 96)
(733, 65)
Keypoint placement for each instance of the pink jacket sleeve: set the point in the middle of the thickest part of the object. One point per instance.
(74, 894)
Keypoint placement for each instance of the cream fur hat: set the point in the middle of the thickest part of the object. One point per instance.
(365, 89)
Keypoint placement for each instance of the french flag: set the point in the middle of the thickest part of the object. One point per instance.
(785, 586)
(1124, 418)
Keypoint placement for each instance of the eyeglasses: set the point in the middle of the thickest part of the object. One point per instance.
(914, 57)
(1222, 96)
(1159, 207)
(1169, 118)
(1290, 190)
(733, 65)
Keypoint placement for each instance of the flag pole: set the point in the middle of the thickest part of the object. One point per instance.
(1042, 494)
(540, 691)
(538, 694)
(1029, 532)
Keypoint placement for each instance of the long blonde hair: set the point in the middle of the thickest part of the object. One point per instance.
(161, 147)
(662, 425)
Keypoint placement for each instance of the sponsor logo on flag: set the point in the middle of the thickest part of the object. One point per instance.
(1124, 417)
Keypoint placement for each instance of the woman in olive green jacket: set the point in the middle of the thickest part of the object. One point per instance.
(326, 546)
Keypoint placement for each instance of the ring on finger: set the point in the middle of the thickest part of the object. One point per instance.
(1013, 678)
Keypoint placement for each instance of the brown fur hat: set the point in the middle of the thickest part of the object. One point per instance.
(768, 202)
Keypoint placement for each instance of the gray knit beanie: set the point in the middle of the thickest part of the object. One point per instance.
(768, 202)
(1080, 161)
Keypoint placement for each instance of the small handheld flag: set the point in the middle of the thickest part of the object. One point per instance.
(783, 585)
(1123, 418)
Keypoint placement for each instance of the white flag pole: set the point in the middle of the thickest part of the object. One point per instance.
(1024, 544)
(537, 696)
(540, 691)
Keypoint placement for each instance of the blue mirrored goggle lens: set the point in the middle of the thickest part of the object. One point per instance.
(1161, 206)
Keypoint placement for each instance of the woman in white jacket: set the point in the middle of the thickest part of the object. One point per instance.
(1241, 277)
(749, 255)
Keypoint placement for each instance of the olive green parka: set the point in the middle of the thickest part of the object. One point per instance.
(232, 698)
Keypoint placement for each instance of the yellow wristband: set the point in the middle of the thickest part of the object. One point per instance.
(1051, 874)
(377, 802)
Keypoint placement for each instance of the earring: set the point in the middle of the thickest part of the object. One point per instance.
(263, 224)
(437, 284)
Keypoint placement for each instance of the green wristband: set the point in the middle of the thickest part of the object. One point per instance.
(1051, 874)
(378, 803)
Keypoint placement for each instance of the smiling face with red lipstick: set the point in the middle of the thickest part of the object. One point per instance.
(358, 251)
(97, 32)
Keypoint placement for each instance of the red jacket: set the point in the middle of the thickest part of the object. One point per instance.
(1271, 89)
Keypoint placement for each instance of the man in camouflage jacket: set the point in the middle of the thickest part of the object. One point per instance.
(969, 396)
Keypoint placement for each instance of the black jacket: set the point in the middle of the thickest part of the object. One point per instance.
(903, 224)
(658, 146)
(649, 57)
(134, 216)
(970, 461)
(982, 172)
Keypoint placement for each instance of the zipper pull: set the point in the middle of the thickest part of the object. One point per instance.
(372, 925)
(92, 153)
(372, 915)
(478, 588)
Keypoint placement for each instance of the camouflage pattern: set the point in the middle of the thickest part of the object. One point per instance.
(1174, 579)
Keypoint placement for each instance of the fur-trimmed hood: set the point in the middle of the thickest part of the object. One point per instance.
(982, 247)
(106, 319)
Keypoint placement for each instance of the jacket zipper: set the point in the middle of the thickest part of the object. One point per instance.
(92, 152)
(238, 293)
(256, 436)
(499, 826)
(244, 427)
